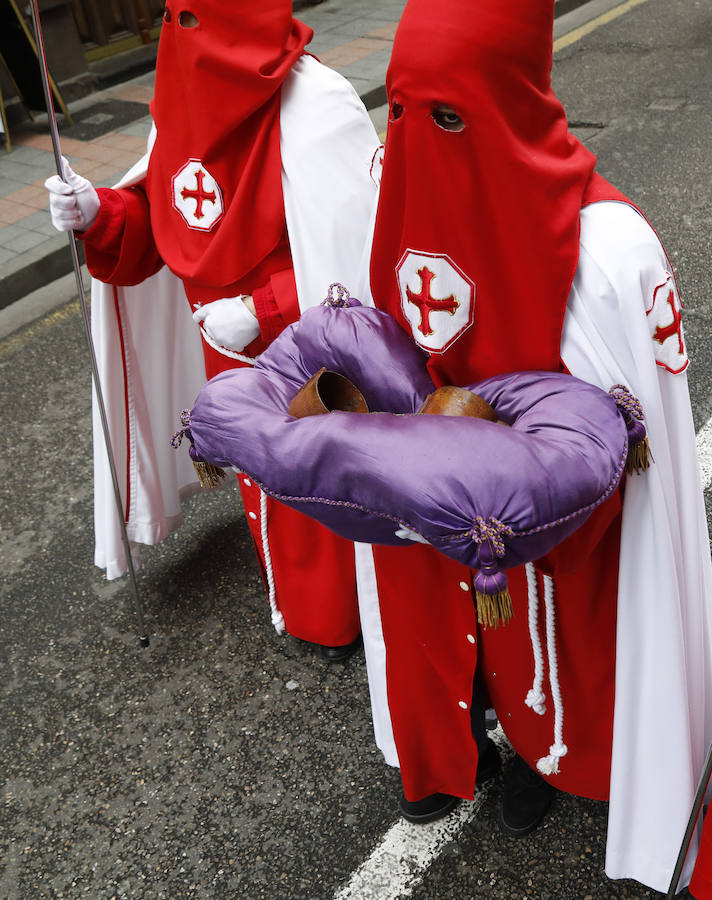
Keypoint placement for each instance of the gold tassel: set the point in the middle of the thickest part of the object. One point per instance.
(638, 457)
(210, 476)
(494, 608)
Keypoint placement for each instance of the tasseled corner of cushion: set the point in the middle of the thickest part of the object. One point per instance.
(638, 459)
(209, 475)
(339, 297)
(493, 608)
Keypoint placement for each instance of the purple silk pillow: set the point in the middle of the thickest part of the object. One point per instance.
(487, 495)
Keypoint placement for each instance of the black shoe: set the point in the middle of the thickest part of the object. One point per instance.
(435, 806)
(489, 763)
(342, 652)
(429, 809)
(525, 799)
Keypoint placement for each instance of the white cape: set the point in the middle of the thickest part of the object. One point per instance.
(148, 347)
(663, 708)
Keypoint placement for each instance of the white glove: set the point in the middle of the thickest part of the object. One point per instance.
(407, 534)
(73, 203)
(228, 322)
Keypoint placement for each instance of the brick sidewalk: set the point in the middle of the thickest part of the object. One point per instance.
(353, 36)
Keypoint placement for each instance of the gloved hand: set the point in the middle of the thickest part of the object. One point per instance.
(229, 322)
(73, 203)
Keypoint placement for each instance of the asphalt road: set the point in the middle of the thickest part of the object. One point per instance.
(225, 761)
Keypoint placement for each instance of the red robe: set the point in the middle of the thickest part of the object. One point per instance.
(431, 663)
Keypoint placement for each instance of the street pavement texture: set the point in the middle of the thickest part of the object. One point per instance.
(225, 761)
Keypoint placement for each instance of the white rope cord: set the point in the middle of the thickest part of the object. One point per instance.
(233, 354)
(277, 617)
(549, 765)
(535, 697)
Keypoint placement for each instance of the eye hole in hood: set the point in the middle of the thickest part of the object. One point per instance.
(446, 118)
(188, 19)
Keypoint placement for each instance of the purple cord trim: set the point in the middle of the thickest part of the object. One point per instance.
(177, 438)
(327, 502)
(490, 530)
(626, 402)
(339, 297)
(287, 498)
(631, 410)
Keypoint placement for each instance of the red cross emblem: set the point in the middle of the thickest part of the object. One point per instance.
(661, 334)
(200, 195)
(431, 284)
(197, 196)
(669, 353)
(426, 303)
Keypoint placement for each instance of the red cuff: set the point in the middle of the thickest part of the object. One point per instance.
(267, 312)
(285, 295)
(105, 234)
(119, 245)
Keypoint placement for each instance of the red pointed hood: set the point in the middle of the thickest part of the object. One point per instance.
(214, 177)
(477, 234)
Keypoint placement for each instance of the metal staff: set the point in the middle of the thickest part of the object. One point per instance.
(694, 815)
(44, 71)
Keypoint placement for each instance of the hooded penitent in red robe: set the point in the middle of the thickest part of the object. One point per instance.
(498, 248)
(475, 249)
(211, 208)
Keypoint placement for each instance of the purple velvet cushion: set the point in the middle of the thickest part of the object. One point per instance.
(458, 482)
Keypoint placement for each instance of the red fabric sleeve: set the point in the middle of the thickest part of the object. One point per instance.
(276, 304)
(119, 246)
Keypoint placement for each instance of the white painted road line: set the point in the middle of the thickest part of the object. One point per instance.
(399, 862)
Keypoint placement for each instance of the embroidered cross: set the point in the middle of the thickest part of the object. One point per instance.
(200, 195)
(662, 334)
(426, 303)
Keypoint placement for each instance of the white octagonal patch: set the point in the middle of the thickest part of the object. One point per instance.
(665, 324)
(437, 298)
(197, 196)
